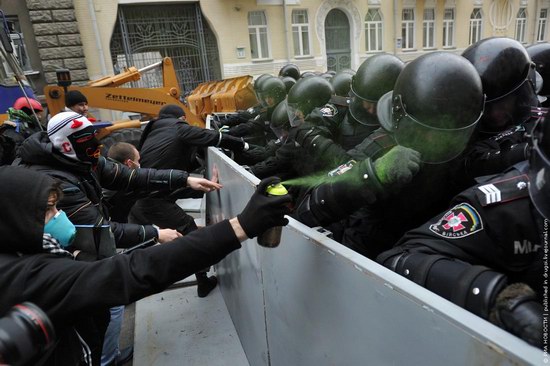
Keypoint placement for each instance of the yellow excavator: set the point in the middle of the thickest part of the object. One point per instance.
(228, 95)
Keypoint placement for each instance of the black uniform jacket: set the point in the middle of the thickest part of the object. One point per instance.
(493, 224)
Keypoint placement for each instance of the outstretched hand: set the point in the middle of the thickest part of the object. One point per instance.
(202, 184)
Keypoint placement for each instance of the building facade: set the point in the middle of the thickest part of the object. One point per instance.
(215, 39)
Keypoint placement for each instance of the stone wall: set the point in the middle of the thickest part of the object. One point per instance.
(58, 39)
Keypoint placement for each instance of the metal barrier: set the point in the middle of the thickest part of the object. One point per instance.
(312, 301)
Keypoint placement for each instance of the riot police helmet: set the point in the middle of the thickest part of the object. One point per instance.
(289, 82)
(341, 83)
(272, 92)
(540, 56)
(507, 74)
(279, 122)
(434, 107)
(375, 77)
(306, 94)
(307, 74)
(539, 166)
(291, 70)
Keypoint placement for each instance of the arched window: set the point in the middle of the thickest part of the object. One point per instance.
(373, 30)
(476, 20)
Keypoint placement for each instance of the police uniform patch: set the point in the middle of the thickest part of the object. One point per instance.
(329, 110)
(460, 221)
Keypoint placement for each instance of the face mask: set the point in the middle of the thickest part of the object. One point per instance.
(85, 144)
(61, 228)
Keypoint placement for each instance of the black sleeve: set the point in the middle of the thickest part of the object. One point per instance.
(75, 287)
(116, 176)
(494, 155)
(197, 136)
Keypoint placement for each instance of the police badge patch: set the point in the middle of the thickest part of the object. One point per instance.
(329, 110)
(460, 221)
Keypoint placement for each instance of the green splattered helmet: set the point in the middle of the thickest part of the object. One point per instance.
(434, 107)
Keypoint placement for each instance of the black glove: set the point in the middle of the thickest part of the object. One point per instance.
(397, 167)
(262, 211)
(517, 310)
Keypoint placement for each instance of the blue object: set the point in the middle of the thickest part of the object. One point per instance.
(10, 93)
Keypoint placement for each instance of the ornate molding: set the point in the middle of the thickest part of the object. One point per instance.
(348, 7)
(374, 2)
(478, 2)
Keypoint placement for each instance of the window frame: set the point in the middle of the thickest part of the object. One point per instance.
(428, 26)
(521, 23)
(257, 32)
(476, 26)
(409, 28)
(301, 29)
(448, 27)
(542, 24)
(376, 27)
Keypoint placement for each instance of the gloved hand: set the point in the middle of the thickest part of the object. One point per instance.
(397, 166)
(262, 211)
(517, 310)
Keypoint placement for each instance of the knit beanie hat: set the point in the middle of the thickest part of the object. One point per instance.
(66, 124)
(171, 111)
(74, 97)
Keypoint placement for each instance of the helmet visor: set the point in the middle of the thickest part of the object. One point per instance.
(509, 110)
(295, 115)
(436, 145)
(280, 132)
(363, 110)
(539, 175)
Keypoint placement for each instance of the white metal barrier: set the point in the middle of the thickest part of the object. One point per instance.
(312, 301)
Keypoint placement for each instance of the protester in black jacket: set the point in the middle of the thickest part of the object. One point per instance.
(65, 158)
(77, 295)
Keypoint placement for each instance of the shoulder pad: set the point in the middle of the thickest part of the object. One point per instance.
(328, 110)
(503, 188)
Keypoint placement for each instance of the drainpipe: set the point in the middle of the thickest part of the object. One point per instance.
(287, 43)
(100, 52)
(99, 46)
(395, 27)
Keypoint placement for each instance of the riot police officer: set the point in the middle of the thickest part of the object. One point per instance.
(485, 253)
(434, 117)
(270, 93)
(375, 77)
(508, 78)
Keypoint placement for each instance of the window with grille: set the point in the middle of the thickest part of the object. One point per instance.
(448, 28)
(407, 28)
(373, 30)
(521, 25)
(300, 32)
(428, 25)
(475, 25)
(257, 32)
(541, 25)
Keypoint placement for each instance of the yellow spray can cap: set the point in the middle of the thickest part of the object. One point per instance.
(276, 190)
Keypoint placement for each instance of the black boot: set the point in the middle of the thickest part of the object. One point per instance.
(205, 284)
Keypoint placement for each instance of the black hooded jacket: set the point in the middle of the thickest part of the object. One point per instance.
(77, 295)
(171, 143)
(82, 186)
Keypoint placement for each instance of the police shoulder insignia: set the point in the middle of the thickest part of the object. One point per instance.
(328, 110)
(460, 221)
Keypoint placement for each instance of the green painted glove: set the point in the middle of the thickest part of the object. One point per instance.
(397, 167)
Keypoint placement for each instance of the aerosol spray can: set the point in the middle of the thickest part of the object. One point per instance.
(272, 237)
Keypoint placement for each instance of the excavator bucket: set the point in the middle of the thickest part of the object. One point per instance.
(228, 95)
